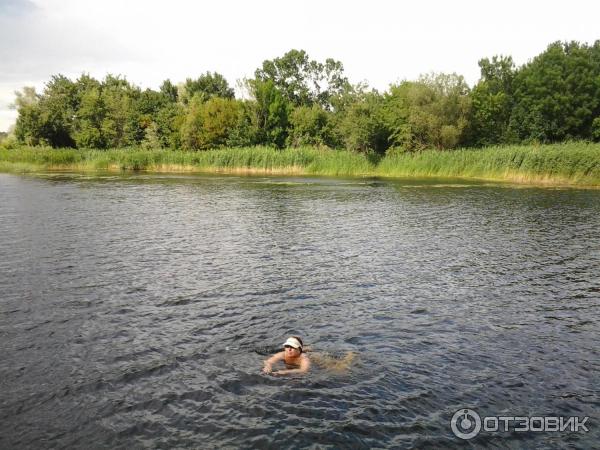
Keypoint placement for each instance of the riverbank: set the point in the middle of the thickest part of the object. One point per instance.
(574, 163)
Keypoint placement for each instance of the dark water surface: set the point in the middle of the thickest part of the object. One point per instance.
(135, 311)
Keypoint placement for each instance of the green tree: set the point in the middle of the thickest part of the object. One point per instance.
(169, 120)
(362, 126)
(170, 116)
(596, 129)
(220, 116)
(152, 139)
(145, 111)
(90, 115)
(121, 125)
(309, 126)
(271, 113)
(169, 91)
(56, 112)
(28, 128)
(492, 101)
(557, 94)
(246, 130)
(432, 112)
(206, 86)
(302, 81)
(208, 124)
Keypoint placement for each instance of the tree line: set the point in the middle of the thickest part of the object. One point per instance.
(294, 101)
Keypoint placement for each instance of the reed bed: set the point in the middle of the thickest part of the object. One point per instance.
(568, 163)
(574, 163)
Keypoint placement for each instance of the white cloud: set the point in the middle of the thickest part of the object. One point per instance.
(378, 41)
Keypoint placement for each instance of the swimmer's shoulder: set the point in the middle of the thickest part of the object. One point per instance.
(305, 360)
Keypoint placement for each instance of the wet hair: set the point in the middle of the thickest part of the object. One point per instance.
(299, 340)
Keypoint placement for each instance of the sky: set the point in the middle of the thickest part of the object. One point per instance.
(380, 42)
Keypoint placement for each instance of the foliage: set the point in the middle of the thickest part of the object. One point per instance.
(296, 101)
(492, 102)
(362, 126)
(310, 126)
(88, 129)
(28, 128)
(169, 91)
(47, 118)
(557, 94)
(209, 124)
(271, 112)
(302, 81)
(206, 86)
(430, 112)
(596, 129)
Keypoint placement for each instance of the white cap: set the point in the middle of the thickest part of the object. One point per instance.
(293, 342)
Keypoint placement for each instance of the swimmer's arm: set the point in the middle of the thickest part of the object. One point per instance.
(304, 367)
(268, 363)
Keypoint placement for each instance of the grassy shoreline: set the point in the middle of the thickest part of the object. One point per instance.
(575, 163)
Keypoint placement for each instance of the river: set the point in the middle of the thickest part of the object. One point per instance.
(136, 310)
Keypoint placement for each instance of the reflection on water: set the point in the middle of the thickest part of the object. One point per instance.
(137, 310)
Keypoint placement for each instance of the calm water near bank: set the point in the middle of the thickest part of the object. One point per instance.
(135, 310)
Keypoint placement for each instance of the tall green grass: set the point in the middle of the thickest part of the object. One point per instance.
(305, 160)
(570, 163)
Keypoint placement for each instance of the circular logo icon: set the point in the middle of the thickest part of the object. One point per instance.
(465, 424)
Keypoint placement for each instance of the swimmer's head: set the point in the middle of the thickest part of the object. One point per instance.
(293, 345)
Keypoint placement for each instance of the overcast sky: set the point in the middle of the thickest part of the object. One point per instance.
(377, 41)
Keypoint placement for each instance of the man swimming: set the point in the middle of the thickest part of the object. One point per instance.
(295, 360)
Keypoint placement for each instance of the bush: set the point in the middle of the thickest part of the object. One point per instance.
(309, 126)
(209, 124)
(362, 127)
(596, 129)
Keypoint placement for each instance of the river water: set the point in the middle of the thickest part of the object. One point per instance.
(136, 311)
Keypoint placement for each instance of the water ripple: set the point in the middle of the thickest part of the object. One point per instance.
(136, 310)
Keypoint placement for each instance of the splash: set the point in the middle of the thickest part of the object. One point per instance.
(333, 363)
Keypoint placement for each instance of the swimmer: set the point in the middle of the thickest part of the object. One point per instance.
(295, 360)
